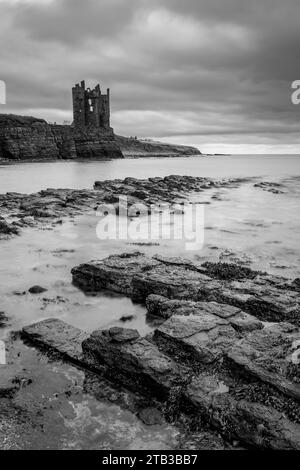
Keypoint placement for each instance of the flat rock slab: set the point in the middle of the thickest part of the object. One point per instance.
(271, 355)
(118, 353)
(138, 364)
(133, 361)
(252, 423)
(113, 273)
(59, 337)
(166, 308)
(268, 298)
(197, 340)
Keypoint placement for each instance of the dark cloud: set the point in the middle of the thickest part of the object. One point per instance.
(74, 21)
(220, 69)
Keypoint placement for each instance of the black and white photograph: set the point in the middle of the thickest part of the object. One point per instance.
(149, 228)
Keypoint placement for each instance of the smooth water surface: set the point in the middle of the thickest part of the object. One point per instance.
(244, 224)
(32, 177)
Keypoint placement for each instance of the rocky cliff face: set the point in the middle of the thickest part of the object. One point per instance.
(29, 138)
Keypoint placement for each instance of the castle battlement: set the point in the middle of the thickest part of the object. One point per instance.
(90, 107)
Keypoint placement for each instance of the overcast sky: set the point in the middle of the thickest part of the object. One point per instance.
(213, 73)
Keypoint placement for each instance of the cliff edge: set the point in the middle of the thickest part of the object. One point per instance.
(30, 138)
(26, 138)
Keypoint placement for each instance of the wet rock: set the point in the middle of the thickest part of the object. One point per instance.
(112, 273)
(37, 290)
(296, 284)
(136, 275)
(196, 340)
(57, 336)
(251, 423)
(123, 335)
(134, 362)
(61, 251)
(3, 319)
(126, 318)
(118, 353)
(145, 244)
(165, 308)
(204, 440)
(244, 323)
(270, 355)
(28, 220)
(271, 187)
(208, 393)
(151, 416)
(229, 271)
(7, 229)
(52, 205)
(267, 297)
(19, 293)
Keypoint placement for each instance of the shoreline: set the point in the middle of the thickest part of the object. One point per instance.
(220, 353)
(87, 160)
(53, 205)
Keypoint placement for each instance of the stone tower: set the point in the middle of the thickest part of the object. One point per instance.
(90, 107)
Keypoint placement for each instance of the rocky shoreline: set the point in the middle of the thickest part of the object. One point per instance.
(223, 359)
(209, 358)
(19, 211)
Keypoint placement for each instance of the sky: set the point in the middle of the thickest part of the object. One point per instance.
(216, 74)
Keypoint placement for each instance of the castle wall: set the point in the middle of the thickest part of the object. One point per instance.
(90, 107)
(78, 95)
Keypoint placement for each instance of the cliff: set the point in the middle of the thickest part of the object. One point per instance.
(132, 147)
(29, 138)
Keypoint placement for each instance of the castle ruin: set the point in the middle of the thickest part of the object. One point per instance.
(90, 107)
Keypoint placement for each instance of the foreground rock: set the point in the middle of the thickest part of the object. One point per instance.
(271, 356)
(242, 373)
(210, 358)
(210, 393)
(268, 298)
(235, 317)
(133, 361)
(252, 423)
(59, 337)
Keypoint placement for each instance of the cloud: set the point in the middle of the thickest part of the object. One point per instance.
(71, 21)
(194, 70)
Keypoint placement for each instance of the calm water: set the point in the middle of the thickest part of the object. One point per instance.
(244, 224)
(31, 177)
